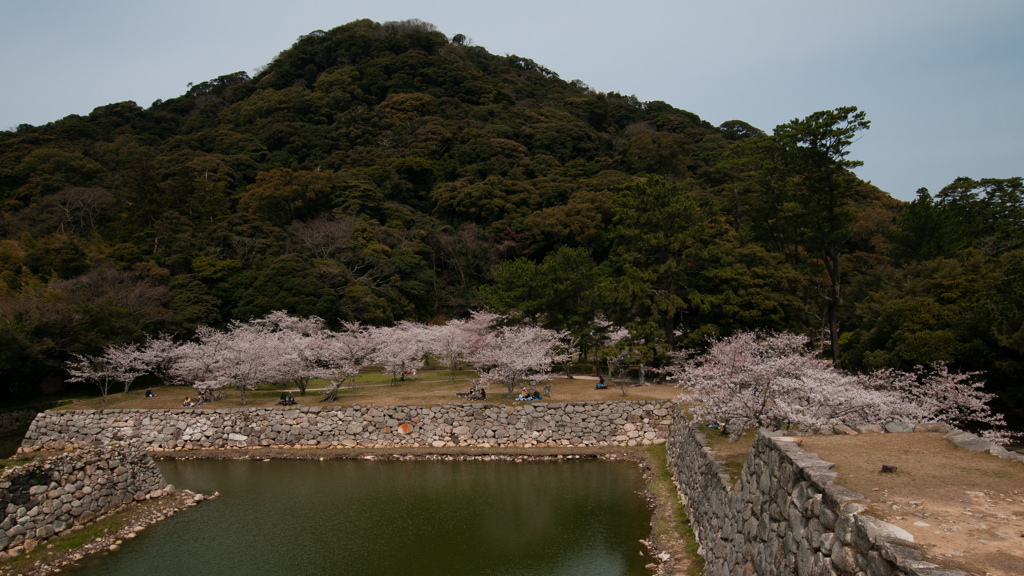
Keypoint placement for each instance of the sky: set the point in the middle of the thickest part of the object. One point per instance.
(941, 81)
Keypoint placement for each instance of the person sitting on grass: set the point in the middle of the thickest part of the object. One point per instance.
(149, 393)
(283, 399)
(600, 383)
(291, 398)
(526, 394)
(483, 394)
(188, 402)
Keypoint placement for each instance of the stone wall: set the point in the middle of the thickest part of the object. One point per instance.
(784, 515)
(476, 424)
(13, 421)
(46, 497)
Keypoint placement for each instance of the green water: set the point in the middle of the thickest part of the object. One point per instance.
(402, 518)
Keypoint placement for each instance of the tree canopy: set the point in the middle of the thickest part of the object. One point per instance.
(382, 173)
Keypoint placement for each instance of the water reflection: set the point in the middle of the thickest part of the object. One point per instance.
(360, 517)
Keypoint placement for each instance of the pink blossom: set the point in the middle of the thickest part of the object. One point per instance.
(298, 346)
(771, 380)
(116, 364)
(512, 354)
(455, 341)
(345, 352)
(400, 348)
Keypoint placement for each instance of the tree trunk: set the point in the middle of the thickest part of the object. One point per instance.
(831, 257)
(833, 328)
(331, 394)
(565, 367)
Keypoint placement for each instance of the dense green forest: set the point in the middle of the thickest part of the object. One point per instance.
(386, 172)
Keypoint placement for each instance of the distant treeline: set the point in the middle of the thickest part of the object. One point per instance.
(384, 172)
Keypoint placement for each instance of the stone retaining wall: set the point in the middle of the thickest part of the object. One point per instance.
(46, 497)
(476, 424)
(784, 515)
(12, 421)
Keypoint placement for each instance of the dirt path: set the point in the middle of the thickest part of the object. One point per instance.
(965, 509)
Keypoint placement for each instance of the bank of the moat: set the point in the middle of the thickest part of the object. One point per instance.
(784, 514)
(660, 502)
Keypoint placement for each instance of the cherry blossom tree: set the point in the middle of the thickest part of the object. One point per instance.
(568, 347)
(938, 395)
(617, 343)
(605, 335)
(95, 369)
(445, 343)
(248, 358)
(127, 361)
(194, 361)
(399, 348)
(758, 379)
(345, 353)
(116, 364)
(771, 380)
(240, 357)
(618, 371)
(514, 353)
(455, 341)
(158, 356)
(299, 346)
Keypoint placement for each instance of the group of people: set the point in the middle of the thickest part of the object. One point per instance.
(528, 394)
(478, 392)
(201, 400)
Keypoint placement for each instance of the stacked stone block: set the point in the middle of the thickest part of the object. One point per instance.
(784, 515)
(46, 497)
(475, 424)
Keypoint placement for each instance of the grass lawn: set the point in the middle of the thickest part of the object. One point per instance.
(428, 388)
(733, 455)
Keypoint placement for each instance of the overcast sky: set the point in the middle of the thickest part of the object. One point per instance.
(941, 81)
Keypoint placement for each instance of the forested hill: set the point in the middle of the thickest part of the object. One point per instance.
(385, 172)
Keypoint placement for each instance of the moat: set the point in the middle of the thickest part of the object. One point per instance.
(368, 517)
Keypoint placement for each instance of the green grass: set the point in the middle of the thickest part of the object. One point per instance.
(372, 376)
(71, 541)
(15, 461)
(673, 520)
(368, 376)
(732, 455)
(86, 535)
